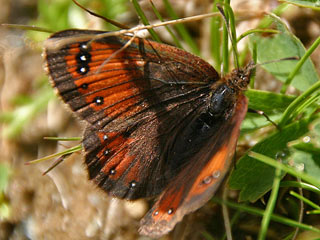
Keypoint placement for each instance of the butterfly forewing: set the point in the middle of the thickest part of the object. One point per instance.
(136, 99)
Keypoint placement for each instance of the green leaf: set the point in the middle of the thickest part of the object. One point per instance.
(314, 4)
(268, 102)
(254, 121)
(272, 104)
(309, 162)
(254, 178)
(283, 45)
(295, 170)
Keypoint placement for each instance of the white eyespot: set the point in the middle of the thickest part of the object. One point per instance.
(216, 174)
(83, 58)
(207, 180)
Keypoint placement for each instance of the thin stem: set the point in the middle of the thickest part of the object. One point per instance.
(270, 206)
(290, 170)
(145, 20)
(297, 102)
(260, 212)
(299, 65)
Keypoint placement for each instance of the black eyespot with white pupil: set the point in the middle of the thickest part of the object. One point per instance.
(84, 86)
(98, 100)
(83, 59)
(132, 184)
(112, 171)
(84, 46)
(207, 180)
(170, 211)
(83, 70)
(106, 152)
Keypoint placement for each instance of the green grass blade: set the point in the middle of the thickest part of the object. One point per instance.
(305, 200)
(247, 33)
(174, 38)
(296, 103)
(215, 38)
(270, 206)
(302, 185)
(144, 20)
(182, 29)
(63, 138)
(260, 212)
(65, 152)
(299, 65)
(290, 170)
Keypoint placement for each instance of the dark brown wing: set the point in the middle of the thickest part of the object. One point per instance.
(198, 181)
(136, 102)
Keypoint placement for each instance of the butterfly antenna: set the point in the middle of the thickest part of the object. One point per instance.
(117, 24)
(261, 113)
(233, 44)
(278, 60)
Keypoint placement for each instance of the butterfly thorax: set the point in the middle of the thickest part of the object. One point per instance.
(219, 108)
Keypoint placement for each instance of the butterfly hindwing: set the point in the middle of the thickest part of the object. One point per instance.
(198, 181)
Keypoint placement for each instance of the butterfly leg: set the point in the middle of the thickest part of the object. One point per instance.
(265, 115)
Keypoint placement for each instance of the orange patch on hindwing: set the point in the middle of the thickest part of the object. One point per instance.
(118, 158)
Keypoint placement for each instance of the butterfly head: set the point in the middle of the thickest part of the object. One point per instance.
(240, 78)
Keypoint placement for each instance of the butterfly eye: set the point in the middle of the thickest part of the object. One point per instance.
(156, 213)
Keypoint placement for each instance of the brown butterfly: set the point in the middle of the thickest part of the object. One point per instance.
(161, 121)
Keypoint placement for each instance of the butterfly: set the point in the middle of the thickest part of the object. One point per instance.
(161, 122)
